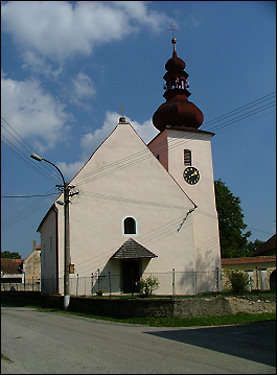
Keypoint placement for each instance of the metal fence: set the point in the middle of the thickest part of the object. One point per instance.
(27, 285)
(170, 283)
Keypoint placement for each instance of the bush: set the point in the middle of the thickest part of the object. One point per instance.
(147, 286)
(100, 292)
(238, 280)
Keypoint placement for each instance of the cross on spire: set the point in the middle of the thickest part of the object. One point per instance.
(121, 110)
(172, 27)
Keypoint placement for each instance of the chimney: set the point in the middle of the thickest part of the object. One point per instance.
(34, 245)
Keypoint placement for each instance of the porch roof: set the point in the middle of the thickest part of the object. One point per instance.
(132, 250)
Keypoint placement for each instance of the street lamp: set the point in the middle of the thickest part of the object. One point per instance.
(66, 189)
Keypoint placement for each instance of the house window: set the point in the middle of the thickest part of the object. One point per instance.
(130, 226)
(187, 157)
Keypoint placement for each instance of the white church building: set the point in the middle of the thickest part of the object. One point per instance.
(141, 209)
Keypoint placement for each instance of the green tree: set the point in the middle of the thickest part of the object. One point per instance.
(10, 255)
(233, 241)
(252, 246)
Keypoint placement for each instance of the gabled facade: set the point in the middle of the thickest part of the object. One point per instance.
(32, 265)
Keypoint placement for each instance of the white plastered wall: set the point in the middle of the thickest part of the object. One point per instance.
(204, 218)
(121, 179)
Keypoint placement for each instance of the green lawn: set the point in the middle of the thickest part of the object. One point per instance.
(241, 318)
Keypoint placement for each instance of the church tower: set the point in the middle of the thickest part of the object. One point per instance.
(185, 152)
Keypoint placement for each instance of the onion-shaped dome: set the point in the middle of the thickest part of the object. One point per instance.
(177, 110)
(175, 63)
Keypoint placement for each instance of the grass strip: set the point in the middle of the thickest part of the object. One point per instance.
(218, 320)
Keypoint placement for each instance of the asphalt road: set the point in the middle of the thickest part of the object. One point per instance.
(40, 342)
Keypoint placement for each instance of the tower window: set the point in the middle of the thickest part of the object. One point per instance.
(187, 157)
(130, 226)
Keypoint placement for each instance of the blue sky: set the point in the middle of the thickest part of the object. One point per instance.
(68, 67)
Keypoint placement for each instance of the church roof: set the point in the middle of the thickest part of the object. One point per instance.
(132, 250)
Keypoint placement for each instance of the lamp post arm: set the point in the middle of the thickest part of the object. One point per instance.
(47, 161)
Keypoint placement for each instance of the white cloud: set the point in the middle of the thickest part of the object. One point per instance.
(82, 89)
(137, 10)
(32, 112)
(60, 29)
(91, 141)
(38, 64)
(195, 22)
(69, 170)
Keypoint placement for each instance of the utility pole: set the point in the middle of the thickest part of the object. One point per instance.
(66, 246)
(66, 188)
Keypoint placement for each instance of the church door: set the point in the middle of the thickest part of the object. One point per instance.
(130, 275)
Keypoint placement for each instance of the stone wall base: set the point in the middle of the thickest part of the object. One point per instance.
(157, 307)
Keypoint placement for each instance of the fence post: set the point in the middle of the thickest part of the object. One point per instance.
(92, 283)
(98, 271)
(77, 280)
(110, 284)
(217, 279)
(173, 282)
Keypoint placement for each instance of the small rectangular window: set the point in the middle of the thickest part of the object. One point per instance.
(187, 157)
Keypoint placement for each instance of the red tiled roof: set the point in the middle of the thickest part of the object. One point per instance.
(245, 260)
(269, 245)
(11, 266)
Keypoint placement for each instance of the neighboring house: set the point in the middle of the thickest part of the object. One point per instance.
(142, 209)
(12, 270)
(32, 265)
(261, 268)
(268, 247)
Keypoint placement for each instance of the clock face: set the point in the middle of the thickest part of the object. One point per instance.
(191, 175)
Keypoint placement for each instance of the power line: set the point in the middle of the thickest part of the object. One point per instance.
(17, 137)
(29, 196)
(24, 158)
(30, 209)
(239, 109)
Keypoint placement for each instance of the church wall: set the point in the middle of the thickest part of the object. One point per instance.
(124, 179)
(205, 223)
(48, 254)
(158, 146)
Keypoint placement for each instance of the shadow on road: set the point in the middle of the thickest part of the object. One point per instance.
(256, 342)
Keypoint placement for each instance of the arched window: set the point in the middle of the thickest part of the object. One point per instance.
(130, 226)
